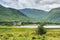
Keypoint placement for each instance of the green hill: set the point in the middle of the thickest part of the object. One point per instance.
(8, 14)
(52, 16)
(38, 15)
(29, 15)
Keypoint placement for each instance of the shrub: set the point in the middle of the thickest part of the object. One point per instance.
(33, 37)
(10, 35)
(41, 30)
(20, 35)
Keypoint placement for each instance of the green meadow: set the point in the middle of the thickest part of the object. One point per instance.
(7, 33)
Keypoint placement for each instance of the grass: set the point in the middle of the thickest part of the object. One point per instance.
(27, 34)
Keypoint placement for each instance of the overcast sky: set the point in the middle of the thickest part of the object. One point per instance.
(34, 4)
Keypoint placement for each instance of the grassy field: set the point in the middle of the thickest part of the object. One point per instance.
(27, 34)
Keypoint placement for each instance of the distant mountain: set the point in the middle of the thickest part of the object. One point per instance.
(52, 16)
(9, 14)
(29, 15)
(36, 14)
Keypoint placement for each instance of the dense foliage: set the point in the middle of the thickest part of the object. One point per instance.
(41, 30)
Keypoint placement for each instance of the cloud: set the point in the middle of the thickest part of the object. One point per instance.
(9, 3)
(54, 5)
(50, 2)
(34, 4)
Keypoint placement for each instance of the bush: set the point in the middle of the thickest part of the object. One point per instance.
(33, 37)
(10, 35)
(41, 30)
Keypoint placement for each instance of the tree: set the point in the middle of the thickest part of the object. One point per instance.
(41, 30)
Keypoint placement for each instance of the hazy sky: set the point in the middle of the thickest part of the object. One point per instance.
(34, 4)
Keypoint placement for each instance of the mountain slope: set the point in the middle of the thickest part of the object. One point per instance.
(8, 14)
(54, 15)
(36, 14)
(29, 15)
